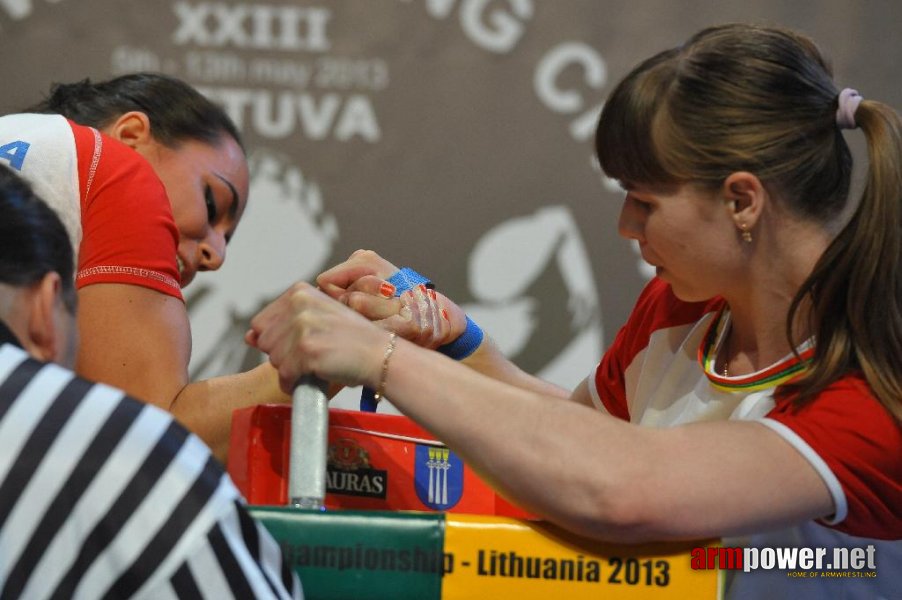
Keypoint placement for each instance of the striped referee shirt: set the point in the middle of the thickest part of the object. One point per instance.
(102, 496)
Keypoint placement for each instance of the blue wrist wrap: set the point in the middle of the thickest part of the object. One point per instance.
(466, 344)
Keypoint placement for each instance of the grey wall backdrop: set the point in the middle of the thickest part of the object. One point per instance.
(454, 136)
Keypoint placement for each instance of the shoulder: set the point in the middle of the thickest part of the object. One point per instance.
(856, 445)
(130, 235)
(115, 161)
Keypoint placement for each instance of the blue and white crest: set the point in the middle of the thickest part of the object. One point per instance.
(438, 477)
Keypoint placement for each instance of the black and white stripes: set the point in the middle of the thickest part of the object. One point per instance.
(102, 496)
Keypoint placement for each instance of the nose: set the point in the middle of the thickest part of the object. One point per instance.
(212, 252)
(631, 224)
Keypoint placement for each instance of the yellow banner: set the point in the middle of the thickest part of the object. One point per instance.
(495, 557)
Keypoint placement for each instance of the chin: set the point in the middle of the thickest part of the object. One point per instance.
(688, 293)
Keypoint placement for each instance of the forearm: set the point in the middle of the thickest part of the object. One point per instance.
(489, 361)
(206, 407)
(524, 442)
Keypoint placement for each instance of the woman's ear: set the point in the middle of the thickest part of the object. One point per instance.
(131, 128)
(745, 196)
(45, 334)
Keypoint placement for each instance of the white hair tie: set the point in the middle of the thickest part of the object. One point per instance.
(848, 102)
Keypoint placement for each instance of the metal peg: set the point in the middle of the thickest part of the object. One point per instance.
(309, 444)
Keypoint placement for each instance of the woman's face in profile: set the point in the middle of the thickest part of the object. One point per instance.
(207, 187)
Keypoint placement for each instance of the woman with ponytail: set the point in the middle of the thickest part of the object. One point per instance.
(150, 179)
(755, 392)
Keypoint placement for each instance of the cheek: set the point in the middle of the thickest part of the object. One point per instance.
(190, 214)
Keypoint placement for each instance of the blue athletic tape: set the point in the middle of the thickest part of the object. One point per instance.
(407, 279)
(466, 344)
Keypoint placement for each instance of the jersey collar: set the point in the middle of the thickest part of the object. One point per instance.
(776, 374)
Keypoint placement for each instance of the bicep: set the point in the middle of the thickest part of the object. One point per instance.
(726, 478)
(134, 338)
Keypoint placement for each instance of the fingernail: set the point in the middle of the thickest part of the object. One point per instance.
(422, 289)
(445, 315)
(387, 289)
(432, 295)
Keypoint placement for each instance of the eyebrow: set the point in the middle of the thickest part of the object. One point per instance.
(233, 206)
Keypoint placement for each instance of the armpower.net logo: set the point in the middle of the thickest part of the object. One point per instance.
(820, 562)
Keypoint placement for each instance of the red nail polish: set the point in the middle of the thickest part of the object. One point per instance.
(422, 288)
(432, 295)
(387, 289)
(445, 314)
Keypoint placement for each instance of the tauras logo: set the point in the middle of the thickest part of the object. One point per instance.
(255, 26)
(349, 472)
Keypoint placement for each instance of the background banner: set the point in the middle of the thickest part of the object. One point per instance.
(452, 136)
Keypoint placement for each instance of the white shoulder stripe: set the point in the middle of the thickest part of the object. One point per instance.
(839, 497)
(593, 391)
(95, 160)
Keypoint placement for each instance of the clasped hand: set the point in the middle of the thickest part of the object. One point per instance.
(314, 331)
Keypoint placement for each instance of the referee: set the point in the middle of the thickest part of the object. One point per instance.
(102, 496)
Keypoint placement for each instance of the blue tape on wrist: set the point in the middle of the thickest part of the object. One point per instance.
(466, 344)
(407, 279)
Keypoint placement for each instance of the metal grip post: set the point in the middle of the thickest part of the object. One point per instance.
(309, 444)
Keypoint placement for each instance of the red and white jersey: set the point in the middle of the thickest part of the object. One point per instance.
(112, 203)
(659, 373)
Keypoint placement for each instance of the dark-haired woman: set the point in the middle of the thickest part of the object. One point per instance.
(755, 392)
(151, 180)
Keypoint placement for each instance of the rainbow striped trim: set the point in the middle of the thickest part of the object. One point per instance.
(777, 374)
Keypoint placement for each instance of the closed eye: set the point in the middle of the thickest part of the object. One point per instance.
(211, 204)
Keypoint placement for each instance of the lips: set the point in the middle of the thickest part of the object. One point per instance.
(185, 276)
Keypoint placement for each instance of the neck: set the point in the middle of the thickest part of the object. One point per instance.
(760, 304)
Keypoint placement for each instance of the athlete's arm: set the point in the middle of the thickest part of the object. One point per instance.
(591, 473)
(139, 340)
